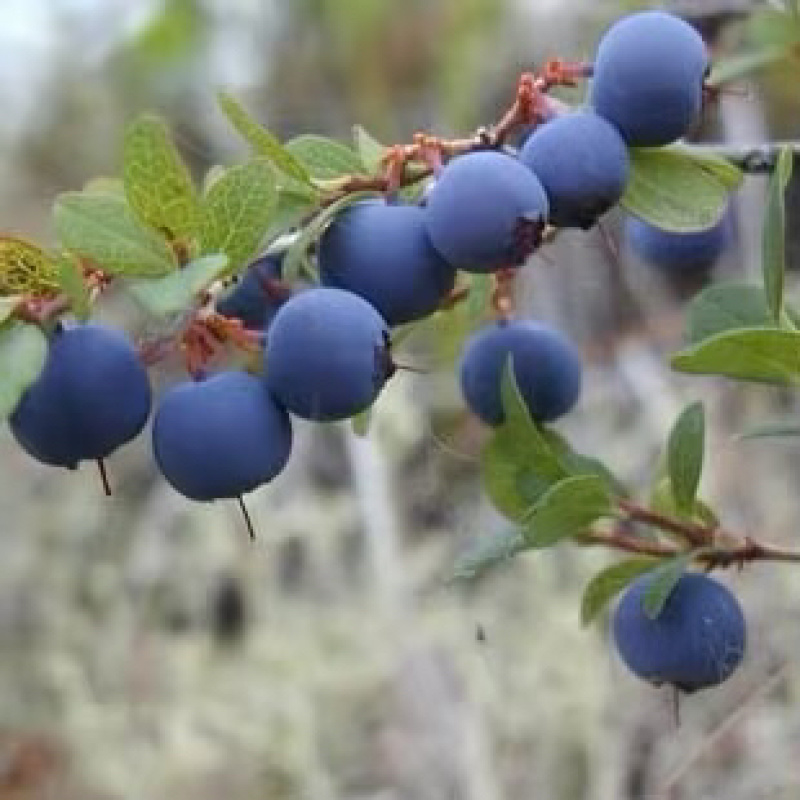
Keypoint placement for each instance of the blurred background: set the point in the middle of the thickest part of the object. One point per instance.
(149, 650)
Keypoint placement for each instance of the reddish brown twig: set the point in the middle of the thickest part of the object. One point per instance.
(716, 548)
(531, 106)
(696, 535)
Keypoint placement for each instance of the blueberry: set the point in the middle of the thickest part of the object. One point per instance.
(382, 253)
(582, 163)
(253, 300)
(327, 355)
(648, 77)
(220, 437)
(546, 365)
(485, 212)
(696, 641)
(678, 252)
(92, 396)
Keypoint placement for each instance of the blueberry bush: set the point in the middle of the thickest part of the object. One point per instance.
(286, 285)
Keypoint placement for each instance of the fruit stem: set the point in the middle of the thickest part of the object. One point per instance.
(247, 521)
(101, 466)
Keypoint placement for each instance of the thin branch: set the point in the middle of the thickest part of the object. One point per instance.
(712, 558)
(696, 535)
(754, 159)
(531, 106)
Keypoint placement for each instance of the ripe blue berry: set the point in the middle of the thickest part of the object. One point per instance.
(648, 77)
(546, 365)
(327, 354)
(92, 396)
(254, 300)
(382, 253)
(582, 163)
(697, 640)
(678, 252)
(220, 437)
(485, 212)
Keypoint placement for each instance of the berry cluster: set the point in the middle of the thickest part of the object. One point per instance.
(381, 263)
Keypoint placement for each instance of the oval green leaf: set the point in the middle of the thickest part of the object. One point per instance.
(157, 183)
(237, 211)
(773, 243)
(726, 306)
(685, 449)
(678, 190)
(102, 227)
(488, 552)
(325, 158)
(178, 291)
(609, 582)
(23, 351)
(565, 509)
(764, 355)
(265, 144)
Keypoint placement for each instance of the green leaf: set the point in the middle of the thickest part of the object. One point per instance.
(567, 508)
(773, 244)
(361, 421)
(743, 64)
(771, 26)
(70, 279)
(579, 464)
(488, 552)
(685, 448)
(264, 143)
(662, 501)
(369, 149)
(177, 291)
(764, 430)
(518, 465)
(665, 579)
(677, 189)
(157, 183)
(727, 306)
(102, 227)
(480, 292)
(7, 307)
(765, 355)
(290, 212)
(609, 582)
(25, 268)
(23, 351)
(296, 254)
(725, 171)
(325, 158)
(105, 185)
(237, 211)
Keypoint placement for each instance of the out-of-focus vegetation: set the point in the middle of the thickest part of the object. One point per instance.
(150, 651)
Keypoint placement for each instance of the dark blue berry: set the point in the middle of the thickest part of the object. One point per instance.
(696, 641)
(327, 355)
(582, 162)
(485, 212)
(546, 366)
(255, 298)
(382, 253)
(648, 77)
(220, 437)
(678, 252)
(92, 396)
